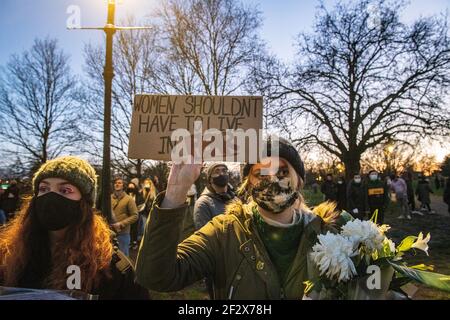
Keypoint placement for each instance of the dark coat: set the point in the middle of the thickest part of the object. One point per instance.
(342, 196)
(377, 195)
(357, 197)
(446, 196)
(329, 189)
(423, 191)
(209, 205)
(10, 199)
(120, 285)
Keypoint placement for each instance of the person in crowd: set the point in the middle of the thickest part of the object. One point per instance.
(10, 200)
(329, 189)
(2, 216)
(157, 183)
(2, 212)
(357, 197)
(446, 195)
(423, 191)
(315, 187)
(257, 250)
(398, 186)
(437, 182)
(341, 194)
(408, 177)
(133, 192)
(125, 213)
(148, 193)
(58, 228)
(214, 197)
(377, 196)
(188, 223)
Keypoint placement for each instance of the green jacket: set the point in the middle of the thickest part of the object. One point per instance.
(228, 250)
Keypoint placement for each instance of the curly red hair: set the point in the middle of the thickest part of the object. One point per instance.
(28, 260)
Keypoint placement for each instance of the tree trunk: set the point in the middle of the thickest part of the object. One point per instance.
(352, 164)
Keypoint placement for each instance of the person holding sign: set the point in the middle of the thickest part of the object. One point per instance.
(58, 241)
(255, 250)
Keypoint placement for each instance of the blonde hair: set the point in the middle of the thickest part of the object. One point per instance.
(150, 194)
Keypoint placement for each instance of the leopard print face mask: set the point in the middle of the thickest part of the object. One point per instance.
(274, 195)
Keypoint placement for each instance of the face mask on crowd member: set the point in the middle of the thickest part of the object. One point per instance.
(357, 179)
(340, 181)
(329, 177)
(219, 176)
(147, 184)
(131, 189)
(277, 190)
(373, 176)
(57, 204)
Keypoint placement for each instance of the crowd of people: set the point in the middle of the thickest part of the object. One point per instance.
(245, 243)
(363, 198)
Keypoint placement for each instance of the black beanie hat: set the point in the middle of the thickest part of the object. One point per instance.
(287, 152)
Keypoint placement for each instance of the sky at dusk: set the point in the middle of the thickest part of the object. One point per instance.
(21, 21)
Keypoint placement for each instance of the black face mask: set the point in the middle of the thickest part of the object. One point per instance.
(56, 212)
(220, 180)
(131, 190)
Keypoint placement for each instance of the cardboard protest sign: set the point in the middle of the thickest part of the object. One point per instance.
(159, 123)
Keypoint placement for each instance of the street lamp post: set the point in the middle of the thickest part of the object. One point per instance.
(108, 74)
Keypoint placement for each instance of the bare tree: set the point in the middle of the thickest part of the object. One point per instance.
(391, 158)
(207, 45)
(360, 79)
(195, 47)
(445, 166)
(133, 64)
(39, 112)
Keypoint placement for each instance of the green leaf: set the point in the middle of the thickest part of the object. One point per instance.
(430, 279)
(308, 286)
(386, 251)
(343, 218)
(422, 267)
(406, 244)
(374, 218)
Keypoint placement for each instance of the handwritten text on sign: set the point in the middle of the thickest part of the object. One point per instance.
(156, 117)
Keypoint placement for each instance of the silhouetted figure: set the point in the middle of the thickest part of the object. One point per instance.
(341, 194)
(329, 189)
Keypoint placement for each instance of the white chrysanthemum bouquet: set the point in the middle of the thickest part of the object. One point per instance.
(360, 262)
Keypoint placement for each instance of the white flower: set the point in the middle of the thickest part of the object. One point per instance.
(421, 243)
(366, 233)
(333, 256)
